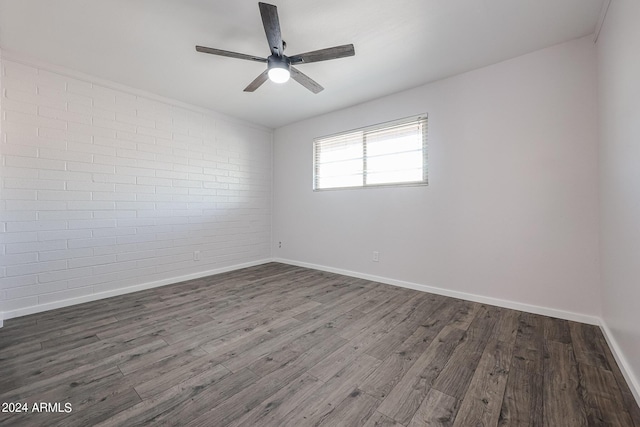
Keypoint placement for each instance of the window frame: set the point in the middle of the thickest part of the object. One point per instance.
(369, 129)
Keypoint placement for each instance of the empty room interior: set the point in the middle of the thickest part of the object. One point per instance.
(303, 213)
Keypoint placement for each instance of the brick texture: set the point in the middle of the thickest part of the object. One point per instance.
(103, 189)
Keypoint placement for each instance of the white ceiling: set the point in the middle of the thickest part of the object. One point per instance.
(149, 44)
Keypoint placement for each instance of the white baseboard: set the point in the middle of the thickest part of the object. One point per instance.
(100, 295)
(624, 366)
(514, 305)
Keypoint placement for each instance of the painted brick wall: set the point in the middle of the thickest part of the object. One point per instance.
(105, 189)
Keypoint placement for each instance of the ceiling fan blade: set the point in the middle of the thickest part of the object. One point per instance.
(263, 77)
(323, 54)
(269, 14)
(229, 54)
(305, 81)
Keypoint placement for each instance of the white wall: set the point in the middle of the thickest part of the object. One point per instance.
(104, 189)
(619, 108)
(511, 210)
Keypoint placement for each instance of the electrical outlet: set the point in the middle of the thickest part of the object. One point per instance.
(196, 255)
(376, 256)
(279, 245)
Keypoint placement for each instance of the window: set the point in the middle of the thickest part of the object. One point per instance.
(388, 154)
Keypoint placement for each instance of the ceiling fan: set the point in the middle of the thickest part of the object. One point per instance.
(280, 66)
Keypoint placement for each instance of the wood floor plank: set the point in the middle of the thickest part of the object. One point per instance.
(483, 401)
(16, 377)
(458, 372)
(374, 299)
(236, 341)
(249, 319)
(249, 398)
(149, 378)
(381, 420)
(210, 396)
(529, 350)
(320, 404)
(415, 299)
(163, 382)
(556, 330)
(587, 345)
(380, 383)
(273, 361)
(465, 314)
(144, 360)
(148, 410)
(279, 345)
(522, 402)
(632, 407)
(330, 310)
(109, 405)
(89, 415)
(437, 410)
(338, 289)
(80, 392)
(356, 346)
(344, 320)
(77, 375)
(562, 400)
(602, 397)
(507, 326)
(407, 396)
(46, 335)
(8, 353)
(395, 365)
(363, 324)
(628, 400)
(96, 396)
(523, 397)
(429, 313)
(353, 411)
(246, 358)
(273, 409)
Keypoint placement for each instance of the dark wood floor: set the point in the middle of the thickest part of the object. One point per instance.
(278, 345)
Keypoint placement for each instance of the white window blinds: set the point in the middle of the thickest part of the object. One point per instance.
(388, 154)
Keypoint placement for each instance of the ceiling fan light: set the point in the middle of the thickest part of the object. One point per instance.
(279, 75)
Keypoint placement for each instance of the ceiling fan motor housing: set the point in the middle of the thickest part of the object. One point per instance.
(275, 61)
